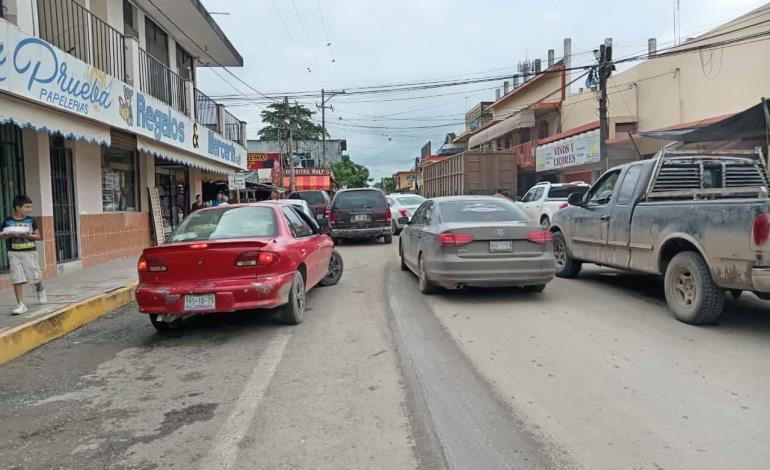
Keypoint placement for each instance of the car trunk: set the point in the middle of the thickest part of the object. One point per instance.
(497, 240)
(205, 260)
(362, 217)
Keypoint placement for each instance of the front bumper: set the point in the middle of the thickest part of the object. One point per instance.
(452, 271)
(363, 232)
(230, 295)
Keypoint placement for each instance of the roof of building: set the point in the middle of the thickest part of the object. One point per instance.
(528, 84)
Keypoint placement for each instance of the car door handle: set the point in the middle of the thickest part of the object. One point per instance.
(605, 218)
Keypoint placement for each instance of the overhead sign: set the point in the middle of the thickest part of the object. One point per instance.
(257, 160)
(572, 151)
(237, 181)
(36, 70)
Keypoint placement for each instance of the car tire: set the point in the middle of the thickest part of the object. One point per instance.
(387, 239)
(396, 231)
(535, 288)
(164, 326)
(426, 287)
(294, 311)
(545, 222)
(337, 241)
(403, 266)
(334, 273)
(566, 266)
(691, 292)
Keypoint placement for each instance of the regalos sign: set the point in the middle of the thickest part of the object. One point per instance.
(572, 151)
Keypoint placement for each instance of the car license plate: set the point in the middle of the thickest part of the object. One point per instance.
(199, 302)
(360, 218)
(504, 246)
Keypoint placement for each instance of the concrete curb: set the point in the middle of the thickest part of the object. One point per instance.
(24, 338)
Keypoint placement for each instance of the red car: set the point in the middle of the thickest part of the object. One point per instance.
(236, 257)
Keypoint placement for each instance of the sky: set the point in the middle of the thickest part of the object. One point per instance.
(284, 44)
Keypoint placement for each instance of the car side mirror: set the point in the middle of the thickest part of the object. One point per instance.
(575, 199)
(403, 220)
(326, 230)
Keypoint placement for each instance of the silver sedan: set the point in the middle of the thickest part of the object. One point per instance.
(479, 241)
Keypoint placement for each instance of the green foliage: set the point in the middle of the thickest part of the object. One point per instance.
(387, 184)
(276, 115)
(350, 174)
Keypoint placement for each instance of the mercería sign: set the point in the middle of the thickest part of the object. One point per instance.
(576, 150)
(35, 70)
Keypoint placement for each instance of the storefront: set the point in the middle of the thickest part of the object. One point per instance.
(172, 181)
(573, 158)
(11, 174)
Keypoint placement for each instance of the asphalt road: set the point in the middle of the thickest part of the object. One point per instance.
(593, 373)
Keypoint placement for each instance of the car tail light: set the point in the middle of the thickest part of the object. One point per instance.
(760, 232)
(256, 258)
(151, 265)
(563, 205)
(455, 239)
(540, 236)
(403, 212)
(332, 217)
(388, 215)
(327, 212)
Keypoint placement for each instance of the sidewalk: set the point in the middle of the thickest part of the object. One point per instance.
(74, 299)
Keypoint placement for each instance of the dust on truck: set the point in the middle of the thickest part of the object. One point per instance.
(471, 173)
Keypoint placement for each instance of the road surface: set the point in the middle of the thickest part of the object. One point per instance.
(593, 373)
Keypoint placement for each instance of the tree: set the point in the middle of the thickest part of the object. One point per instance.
(387, 184)
(350, 174)
(275, 117)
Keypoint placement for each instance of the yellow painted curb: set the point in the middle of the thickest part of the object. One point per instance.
(23, 338)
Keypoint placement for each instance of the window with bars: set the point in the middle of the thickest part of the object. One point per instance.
(12, 176)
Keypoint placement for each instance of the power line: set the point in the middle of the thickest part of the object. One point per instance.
(300, 53)
(307, 36)
(326, 33)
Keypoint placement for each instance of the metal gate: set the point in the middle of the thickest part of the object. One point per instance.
(64, 210)
(11, 176)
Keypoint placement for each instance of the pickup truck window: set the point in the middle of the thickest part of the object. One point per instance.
(601, 194)
(539, 193)
(530, 196)
(629, 184)
(563, 192)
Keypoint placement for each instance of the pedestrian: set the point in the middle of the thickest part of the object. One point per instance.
(499, 193)
(218, 200)
(225, 201)
(21, 232)
(198, 204)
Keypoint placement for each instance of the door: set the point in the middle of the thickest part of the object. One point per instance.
(11, 174)
(590, 223)
(63, 196)
(307, 245)
(409, 237)
(619, 235)
(421, 234)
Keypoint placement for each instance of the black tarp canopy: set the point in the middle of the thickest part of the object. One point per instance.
(749, 124)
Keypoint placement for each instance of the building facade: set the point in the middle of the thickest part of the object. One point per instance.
(99, 107)
(310, 153)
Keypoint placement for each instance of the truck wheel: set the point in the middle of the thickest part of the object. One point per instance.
(690, 291)
(566, 266)
(388, 239)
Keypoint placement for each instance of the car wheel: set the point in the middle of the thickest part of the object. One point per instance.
(690, 291)
(404, 267)
(334, 274)
(535, 288)
(294, 312)
(545, 222)
(566, 266)
(387, 239)
(396, 231)
(425, 285)
(164, 326)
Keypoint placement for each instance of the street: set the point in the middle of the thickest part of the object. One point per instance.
(592, 373)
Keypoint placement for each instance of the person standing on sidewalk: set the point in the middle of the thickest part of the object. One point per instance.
(21, 232)
(198, 204)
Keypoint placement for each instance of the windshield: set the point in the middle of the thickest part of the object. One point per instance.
(480, 211)
(410, 200)
(312, 197)
(563, 192)
(359, 199)
(236, 222)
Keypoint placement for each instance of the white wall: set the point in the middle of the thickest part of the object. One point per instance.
(37, 171)
(88, 177)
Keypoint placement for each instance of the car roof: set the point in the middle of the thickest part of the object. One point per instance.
(558, 185)
(469, 197)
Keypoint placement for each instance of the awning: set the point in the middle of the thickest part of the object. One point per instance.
(26, 114)
(751, 123)
(165, 152)
(521, 119)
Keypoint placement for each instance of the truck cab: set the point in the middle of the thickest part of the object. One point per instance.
(543, 200)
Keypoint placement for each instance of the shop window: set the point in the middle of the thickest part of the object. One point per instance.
(184, 61)
(12, 176)
(156, 40)
(129, 19)
(119, 186)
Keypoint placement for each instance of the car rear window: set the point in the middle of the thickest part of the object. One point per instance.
(359, 199)
(563, 192)
(480, 211)
(217, 224)
(312, 197)
(410, 200)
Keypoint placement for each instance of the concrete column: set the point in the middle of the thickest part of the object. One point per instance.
(189, 89)
(244, 139)
(196, 183)
(24, 14)
(37, 171)
(221, 118)
(146, 179)
(132, 61)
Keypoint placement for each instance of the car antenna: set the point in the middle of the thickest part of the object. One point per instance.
(631, 136)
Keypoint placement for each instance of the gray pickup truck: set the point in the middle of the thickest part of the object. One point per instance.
(700, 218)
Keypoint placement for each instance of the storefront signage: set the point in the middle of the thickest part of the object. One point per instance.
(572, 151)
(257, 160)
(34, 69)
(237, 181)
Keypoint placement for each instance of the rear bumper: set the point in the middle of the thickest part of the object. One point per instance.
(760, 279)
(364, 232)
(230, 295)
(451, 271)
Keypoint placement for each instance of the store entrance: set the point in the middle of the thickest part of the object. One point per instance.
(172, 182)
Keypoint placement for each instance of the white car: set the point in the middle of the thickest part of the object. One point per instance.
(543, 200)
(402, 205)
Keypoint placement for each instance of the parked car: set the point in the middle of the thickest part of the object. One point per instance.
(403, 205)
(299, 204)
(483, 241)
(361, 213)
(319, 201)
(236, 257)
(543, 200)
(700, 218)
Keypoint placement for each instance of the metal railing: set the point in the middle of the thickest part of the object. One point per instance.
(232, 128)
(75, 30)
(206, 111)
(159, 81)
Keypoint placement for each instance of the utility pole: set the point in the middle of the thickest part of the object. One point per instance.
(289, 151)
(323, 109)
(604, 70)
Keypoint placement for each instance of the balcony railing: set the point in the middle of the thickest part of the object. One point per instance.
(159, 81)
(206, 111)
(75, 30)
(232, 127)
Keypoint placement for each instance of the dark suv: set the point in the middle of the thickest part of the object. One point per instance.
(360, 213)
(319, 201)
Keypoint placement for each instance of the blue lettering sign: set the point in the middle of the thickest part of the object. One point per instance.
(2, 59)
(161, 124)
(221, 149)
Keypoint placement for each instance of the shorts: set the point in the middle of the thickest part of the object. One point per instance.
(25, 267)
